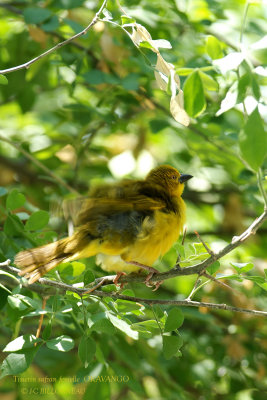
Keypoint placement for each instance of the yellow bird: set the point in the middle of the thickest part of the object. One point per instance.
(127, 225)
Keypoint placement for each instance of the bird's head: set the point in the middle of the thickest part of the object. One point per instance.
(169, 178)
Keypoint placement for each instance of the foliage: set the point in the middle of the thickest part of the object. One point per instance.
(108, 105)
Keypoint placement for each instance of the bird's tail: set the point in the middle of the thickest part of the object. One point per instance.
(36, 262)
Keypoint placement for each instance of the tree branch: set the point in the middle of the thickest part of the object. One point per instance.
(174, 272)
(194, 269)
(57, 46)
(63, 287)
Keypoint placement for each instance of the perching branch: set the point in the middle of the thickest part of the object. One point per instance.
(191, 270)
(57, 46)
(63, 287)
(195, 269)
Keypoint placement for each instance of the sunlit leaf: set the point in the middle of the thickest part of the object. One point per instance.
(213, 47)
(253, 140)
(22, 342)
(3, 80)
(194, 98)
(61, 343)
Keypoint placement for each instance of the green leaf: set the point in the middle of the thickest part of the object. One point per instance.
(21, 302)
(208, 82)
(37, 220)
(103, 326)
(255, 87)
(174, 319)
(263, 285)
(125, 306)
(68, 4)
(184, 71)
(16, 363)
(86, 350)
(9, 275)
(22, 342)
(88, 277)
(127, 20)
(94, 77)
(158, 125)
(213, 267)
(213, 47)
(56, 304)
(131, 82)
(256, 279)
(71, 270)
(194, 98)
(3, 80)
(47, 331)
(150, 326)
(146, 44)
(180, 248)
(234, 277)
(61, 343)
(242, 267)
(36, 15)
(171, 345)
(15, 200)
(253, 141)
(243, 85)
(16, 303)
(122, 326)
(13, 226)
(5, 289)
(51, 25)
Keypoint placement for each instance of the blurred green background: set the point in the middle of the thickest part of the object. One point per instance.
(91, 112)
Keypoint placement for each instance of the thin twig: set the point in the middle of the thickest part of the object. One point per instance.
(217, 281)
(57, 46)
(195, 287)
(209, 251)
(41, 319)
(38, 164)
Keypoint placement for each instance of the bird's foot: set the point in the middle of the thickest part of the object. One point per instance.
(151, 270)
(117, 277)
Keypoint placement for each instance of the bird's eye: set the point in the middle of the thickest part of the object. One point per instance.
(174, 177)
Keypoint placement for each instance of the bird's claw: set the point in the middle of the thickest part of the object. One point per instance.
(156, 284)
(117, 278)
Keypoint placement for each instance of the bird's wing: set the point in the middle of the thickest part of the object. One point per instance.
(122, 197)
(118, 221)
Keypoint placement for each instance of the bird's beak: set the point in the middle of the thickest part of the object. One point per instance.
(184, 177)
